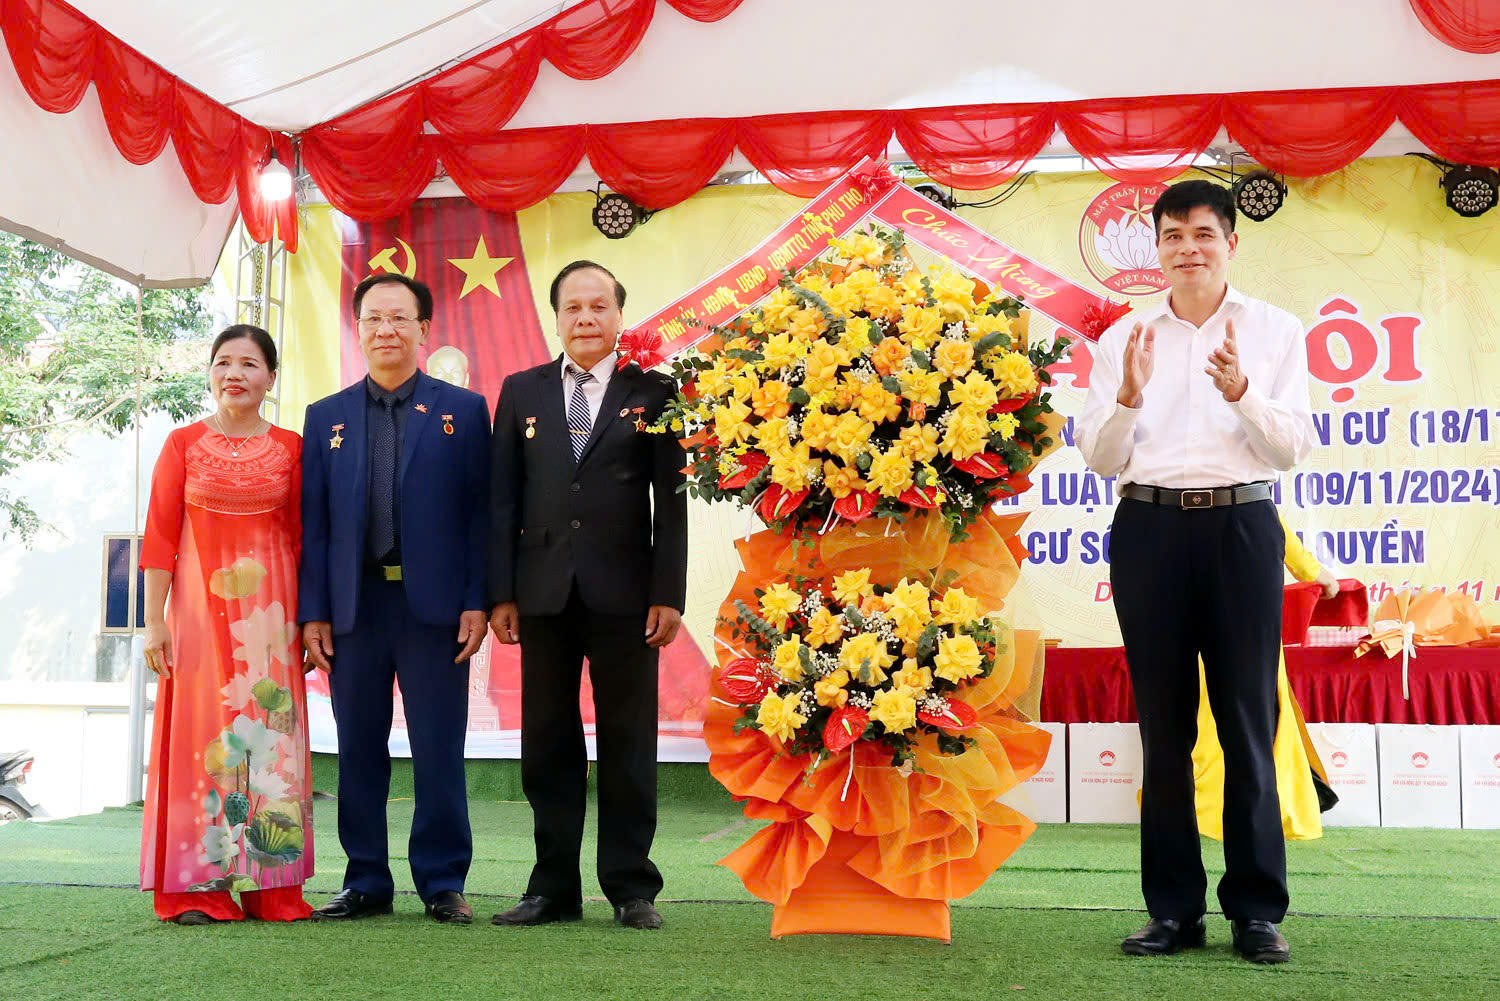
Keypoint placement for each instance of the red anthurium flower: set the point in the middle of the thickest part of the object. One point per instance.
(923, 497)
(746, 680)
(845, 726)
(984, 466)
(856, 505)
(779, 502)
(749, 464)
(1015, 403)
(954, 715)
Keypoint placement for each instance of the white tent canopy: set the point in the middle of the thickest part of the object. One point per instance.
(289, 65)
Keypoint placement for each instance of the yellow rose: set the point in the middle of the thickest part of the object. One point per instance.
(958, 658)
(770, 400)
(856, 335)
(920, 326)
(850, 437)
(918, 442)
(778, 603)
(841, 480)
(773, 434)
(852, 585)
(890, 473)
(824, 629)
(911, 678)
(1006, 424)
(729, 423)
(714, 381)
(911, 607)
(823, 363)
(814, 281)
(743, 385)
(957, 608)
(779, 716)
(778, 307)
(788, 660)
(953, 358)
(807, 324)
(973, 390)
(830, 690)
(865, 657)
(882, 303)
(862, 250)
(861, 280)
(876, 403)
(791, 467)
(1014, 373)
(954, 294)
(922, 387)
(842, 299)
(889, 356)
(986, 324)
(817, 428)
(895, 709)
(968, 434)
(782, 351)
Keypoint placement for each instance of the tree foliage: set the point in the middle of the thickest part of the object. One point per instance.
(68, 361)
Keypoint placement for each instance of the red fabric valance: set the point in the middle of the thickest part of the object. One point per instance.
(1470, 25)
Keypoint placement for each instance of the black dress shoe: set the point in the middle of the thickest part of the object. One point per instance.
(1260, 942)
(1163, 936)
(450, 908)
(194, 918)
(538, 910)
(638, 913)
(351, 904)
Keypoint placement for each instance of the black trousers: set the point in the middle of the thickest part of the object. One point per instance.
(1191, 584)
(554, 762)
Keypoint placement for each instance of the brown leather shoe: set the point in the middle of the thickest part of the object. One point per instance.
(537, 910)
(1163, 937)
(638, 913)
(450, 908)
(1260, 942)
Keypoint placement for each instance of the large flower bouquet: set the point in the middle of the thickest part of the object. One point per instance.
(819, 672)
(864, 387)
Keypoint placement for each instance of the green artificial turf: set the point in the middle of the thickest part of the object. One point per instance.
(1377, 913)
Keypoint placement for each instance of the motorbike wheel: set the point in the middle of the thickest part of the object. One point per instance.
(10, 810)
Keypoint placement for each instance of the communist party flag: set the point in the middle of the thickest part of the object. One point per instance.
(484, 322)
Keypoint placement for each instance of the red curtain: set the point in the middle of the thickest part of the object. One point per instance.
(1470, 25)
(480, 95)
(1304, 133)
(803, 154)
(374, 162)
(1459, 121)
(1142, 140)
(657, 164)
(514, 170)
(977, 147)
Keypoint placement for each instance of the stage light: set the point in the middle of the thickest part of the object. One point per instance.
(1258, 195)
(1471, 191)
(275, 180)
(617, 216)
(936, 194)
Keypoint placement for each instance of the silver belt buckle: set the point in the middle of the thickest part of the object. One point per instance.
(1194, 499)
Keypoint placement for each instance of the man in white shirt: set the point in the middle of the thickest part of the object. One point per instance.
(1196, 406)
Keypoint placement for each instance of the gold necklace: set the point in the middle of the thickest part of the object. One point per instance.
(234, 449)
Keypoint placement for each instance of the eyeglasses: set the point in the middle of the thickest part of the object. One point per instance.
(370, 324)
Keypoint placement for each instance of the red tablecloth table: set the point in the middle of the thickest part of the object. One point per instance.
(1449, 685)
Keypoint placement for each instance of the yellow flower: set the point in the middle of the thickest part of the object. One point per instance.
(856, 334)
(782, 351)
(958, 608)
(791, 467)
(744, 384)
(770, 399)
(911, 608)
(882, 303)
(729, 423)
(778, 604)
(830, 690)
(968, 434)
(920, 326)
(953, 358)
(817, 428)
(973, 390)
(1006, 424)
(861, 249)
(824, 629)
(841, 480)
(714, 381)
(911, 678)
(823, 363)
(861, 280)
(889, 356)
(773, 434)
(876, 403)
(1014, 373)
(850, 437)
(865, 657)
(895, 709)
(779, 716)
(779, 305)
(814, 281)
(852, 585)
(922, 387)
(986, 324)
(958, 658)
(890, 473)
(918, 442)
(842, 299)
(788, 660)
(807, 324)
(954, 294)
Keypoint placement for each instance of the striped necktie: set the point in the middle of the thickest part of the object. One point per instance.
(579, 422)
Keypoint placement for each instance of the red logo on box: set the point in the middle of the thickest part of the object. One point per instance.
(1419, 760)
(1339, 759)
(1497, 761)
(1107, 759)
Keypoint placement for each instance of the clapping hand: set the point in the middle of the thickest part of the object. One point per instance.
(1140, 359)
(1224, 368)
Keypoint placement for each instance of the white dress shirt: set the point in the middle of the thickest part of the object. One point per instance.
(1185, 435)
(593, 390)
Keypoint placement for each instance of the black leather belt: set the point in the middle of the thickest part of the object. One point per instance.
(1194, 500)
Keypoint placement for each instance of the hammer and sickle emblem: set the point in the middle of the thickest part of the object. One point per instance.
(386, 260)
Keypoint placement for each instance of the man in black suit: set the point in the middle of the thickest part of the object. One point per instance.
(588, 559)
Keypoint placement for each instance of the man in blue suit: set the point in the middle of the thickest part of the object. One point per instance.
(395, 477)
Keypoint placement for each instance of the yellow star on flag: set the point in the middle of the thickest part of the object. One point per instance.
(480, 269)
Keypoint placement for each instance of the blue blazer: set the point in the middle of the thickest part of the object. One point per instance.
(444, 484)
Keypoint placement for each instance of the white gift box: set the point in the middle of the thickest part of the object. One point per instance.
(1044, 797)
(1418, 775)
(1348, 753)
(1104, 773)
(1479, 775)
